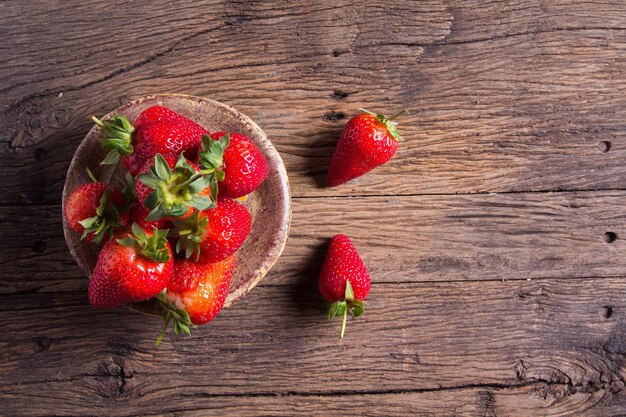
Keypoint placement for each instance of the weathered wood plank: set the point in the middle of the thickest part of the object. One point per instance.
(508, 96)
(524, 401)
(402, 239)
(553, 344)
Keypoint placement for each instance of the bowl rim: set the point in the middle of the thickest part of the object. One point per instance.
(271, 257)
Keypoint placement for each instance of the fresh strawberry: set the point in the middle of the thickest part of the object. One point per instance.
(344, 281)
(200, 288)
(214, 234)
(367, 141)
(195, 294)
(138, 213)
(133, 268)
(174, 188)
(244, 167)
(95, 210)
(156, 130)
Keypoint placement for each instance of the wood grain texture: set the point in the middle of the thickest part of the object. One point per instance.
(553, 345)
(512, 168)
(402, 239)
(505, 96)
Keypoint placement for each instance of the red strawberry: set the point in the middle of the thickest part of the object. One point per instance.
(138, 213)
(214, 234)
(367, 141)
(134, 268)
(243, 165)
(195, 294)
(344, 281)
(156, 130)
(95, 210)
(200, 288)
(173, 188)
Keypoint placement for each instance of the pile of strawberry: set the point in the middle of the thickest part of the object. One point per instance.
(171, 232)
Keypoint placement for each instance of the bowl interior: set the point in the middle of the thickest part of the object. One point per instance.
(269, 205)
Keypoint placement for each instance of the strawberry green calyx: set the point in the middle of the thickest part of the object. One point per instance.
(181, 322)
(91, 176)
(153, 247)
(190, 232)
(127, 187)
(174, 191)
(211, 158)
(212, 154)
(105, 221)
(388, 122)
(341, 307)
(117, 137)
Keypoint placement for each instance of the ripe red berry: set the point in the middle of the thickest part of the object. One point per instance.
(156, 130)
(214, 234)
(133, 268)
(243, 165)
(96, 210)
(344, 281)
(368, 140)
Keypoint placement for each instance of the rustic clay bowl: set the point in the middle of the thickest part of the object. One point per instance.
(269, 205)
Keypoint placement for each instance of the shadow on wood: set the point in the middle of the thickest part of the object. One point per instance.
(322, 147)
(307, 301)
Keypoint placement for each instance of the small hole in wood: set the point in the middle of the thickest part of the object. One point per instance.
(606, 312)
(40, 154)
(336, 53)
(333, 116)
(610, 237)
(40, 246)
(604, 146)
(338, 95)
(43, 344)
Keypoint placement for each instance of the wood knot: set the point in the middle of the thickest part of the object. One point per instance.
(112, 377)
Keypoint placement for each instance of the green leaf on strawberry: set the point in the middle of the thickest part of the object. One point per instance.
(211, 159)
(117, 138)
(388, 122)
(190, 232)
(152, 246)
(181, 322)
(341, 308)
(175, 190)
(212, 155)
(105, 221)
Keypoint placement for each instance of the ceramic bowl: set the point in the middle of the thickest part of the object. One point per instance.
(269, 205)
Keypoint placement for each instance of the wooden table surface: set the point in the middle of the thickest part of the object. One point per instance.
(494, 236)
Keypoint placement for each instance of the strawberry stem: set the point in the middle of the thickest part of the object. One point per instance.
(166, 322)
(343, 323)
(91, 176)
(182, 185)
(393, 116)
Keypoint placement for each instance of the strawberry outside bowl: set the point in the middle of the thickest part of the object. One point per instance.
(269, 205)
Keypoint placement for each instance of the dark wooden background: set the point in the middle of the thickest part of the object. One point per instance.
(494, 237)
